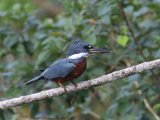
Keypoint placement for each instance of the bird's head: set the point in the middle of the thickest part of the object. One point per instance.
(81, 48)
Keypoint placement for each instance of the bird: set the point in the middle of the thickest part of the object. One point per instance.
(71, 67)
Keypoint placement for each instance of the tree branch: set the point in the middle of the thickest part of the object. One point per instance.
(105, 79)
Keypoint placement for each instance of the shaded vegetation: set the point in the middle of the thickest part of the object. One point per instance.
(34, 34)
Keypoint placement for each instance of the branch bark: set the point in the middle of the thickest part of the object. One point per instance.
(105, 79)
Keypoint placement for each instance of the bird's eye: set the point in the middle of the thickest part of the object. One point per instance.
(88, 47)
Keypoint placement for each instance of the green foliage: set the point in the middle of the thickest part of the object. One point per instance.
(31, 38)
(122, 40)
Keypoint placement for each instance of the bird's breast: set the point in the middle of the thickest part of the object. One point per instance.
(79, 68)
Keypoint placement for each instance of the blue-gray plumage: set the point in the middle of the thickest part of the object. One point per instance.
(78, 47)
(60, 68)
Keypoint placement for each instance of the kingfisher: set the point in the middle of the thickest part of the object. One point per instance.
(71, 67)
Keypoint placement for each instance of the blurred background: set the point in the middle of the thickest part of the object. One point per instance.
(35, 33)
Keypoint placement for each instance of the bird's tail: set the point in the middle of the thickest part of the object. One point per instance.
(34, 80)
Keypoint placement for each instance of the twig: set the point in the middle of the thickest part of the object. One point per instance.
(146, 103)
(130, 29)
(139, 48)
(105, 79)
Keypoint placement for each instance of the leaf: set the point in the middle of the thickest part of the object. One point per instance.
(48, 22)
(16, 7)
(92, 39)
(129, 9)
(122, 40)
(157, 54)
(157, 107)
(104, 9)
(13, 91)
(10, 41)
(41, 56)
(134, 78)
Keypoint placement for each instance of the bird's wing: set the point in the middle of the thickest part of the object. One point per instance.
(58, 69)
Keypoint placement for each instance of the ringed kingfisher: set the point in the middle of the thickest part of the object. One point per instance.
(71, 67)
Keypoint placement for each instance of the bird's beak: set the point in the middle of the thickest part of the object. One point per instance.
(99, 50)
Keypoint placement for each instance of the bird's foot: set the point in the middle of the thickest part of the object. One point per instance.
(75, 84)
(65, 89)
(61, 85)
(74, 95)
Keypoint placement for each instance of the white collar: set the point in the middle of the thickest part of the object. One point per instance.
(79, 55)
